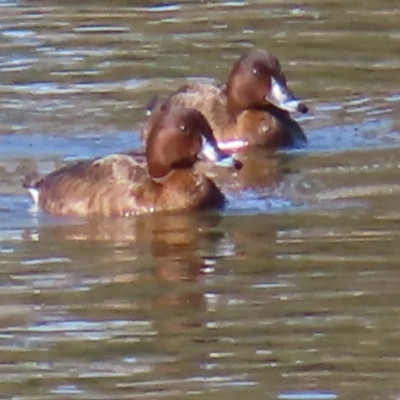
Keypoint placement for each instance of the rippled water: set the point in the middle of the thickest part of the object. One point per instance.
(290, 293)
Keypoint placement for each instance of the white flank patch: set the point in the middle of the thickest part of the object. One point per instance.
(232, 145)
(34, 194)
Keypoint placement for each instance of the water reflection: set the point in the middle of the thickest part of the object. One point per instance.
(169, 243)
(186, 303)
(307, 395)
(129, 298)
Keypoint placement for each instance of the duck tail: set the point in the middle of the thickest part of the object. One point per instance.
(31, 183)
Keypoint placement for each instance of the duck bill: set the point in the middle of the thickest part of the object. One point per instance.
(281, 97)
(211, 153)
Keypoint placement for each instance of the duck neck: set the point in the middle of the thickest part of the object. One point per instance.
(235, 104)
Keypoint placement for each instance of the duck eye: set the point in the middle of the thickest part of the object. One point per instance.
(256, 71)
(183, 128)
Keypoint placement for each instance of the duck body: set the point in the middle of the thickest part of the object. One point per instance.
(120, 185)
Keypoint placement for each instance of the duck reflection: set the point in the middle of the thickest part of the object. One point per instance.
(143, 269)
(180, 246)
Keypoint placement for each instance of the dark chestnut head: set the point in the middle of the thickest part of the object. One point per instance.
(256, 80)
(179, 137)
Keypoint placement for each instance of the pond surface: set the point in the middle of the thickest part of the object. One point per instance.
(292, 292)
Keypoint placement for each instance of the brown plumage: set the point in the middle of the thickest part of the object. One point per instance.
(253, 106)
(119, 185)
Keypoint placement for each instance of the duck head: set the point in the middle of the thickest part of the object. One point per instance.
(257, 80)
(179, 138)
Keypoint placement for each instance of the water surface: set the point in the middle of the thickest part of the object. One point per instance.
(290, 293)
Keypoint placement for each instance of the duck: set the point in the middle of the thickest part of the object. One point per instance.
(252, 109)
(120, 185)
